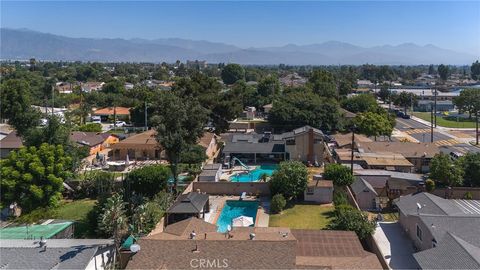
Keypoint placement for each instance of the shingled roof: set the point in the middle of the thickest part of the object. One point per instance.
(192, 202)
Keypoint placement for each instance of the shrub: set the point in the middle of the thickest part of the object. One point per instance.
(339, 174)
(429, 185)
(347, 218)
(339, 197)
(468, 196)
(148, 180)
(278, 203)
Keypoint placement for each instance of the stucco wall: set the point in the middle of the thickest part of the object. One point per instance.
(231, 188)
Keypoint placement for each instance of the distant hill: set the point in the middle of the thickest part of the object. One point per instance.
(24, 44)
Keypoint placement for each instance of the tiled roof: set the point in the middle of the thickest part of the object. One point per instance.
(206, 139)
(407, 149)
(142, 140)
(185, 227)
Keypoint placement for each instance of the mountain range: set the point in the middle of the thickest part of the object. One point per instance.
(21, 44)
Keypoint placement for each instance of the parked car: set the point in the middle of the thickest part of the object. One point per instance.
(406, 116)
(455, 155)
(118, 124)
(96, 119)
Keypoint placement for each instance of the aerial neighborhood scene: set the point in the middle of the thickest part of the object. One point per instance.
(239, 135)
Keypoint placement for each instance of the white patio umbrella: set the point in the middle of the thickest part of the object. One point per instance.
(242, 221)
(127, 161)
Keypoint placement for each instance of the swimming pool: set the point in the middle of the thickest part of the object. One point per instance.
(234, 209)
(254, 175)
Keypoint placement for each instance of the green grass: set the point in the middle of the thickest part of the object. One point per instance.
(303, 216)
(444, 122)
(75, 210)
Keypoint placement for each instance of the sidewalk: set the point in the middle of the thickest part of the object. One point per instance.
(445, 130)
(439, 127)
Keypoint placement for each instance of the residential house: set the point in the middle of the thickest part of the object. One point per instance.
(65, 87)
(304, 144)
(375, 189)
(445, 232)
(193, 204)
(194, 243)
(344, 140)
(419, 154)
(78, 254)
(267, 108)
(319, 190)
(381, 161)
(89, 87)
(142, 146)
(122, 113)
(94, 140)
(292, 80)
(11, 142)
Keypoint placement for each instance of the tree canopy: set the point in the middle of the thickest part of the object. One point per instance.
(290, 180)
(33, 177)
(446, 171)
(179, 123)
(301, 107)
(149, 180)
(323, 83)
(339, 174)
(346, 218)
(359, 103)
(374, 124)
(232, 73)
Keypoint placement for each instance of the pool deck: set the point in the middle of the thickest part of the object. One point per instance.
(229, 172)
(217, 203)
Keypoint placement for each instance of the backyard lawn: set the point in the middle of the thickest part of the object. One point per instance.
(78, 211)
(303, 216)
(444, 122)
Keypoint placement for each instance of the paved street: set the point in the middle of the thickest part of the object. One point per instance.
(448, 141)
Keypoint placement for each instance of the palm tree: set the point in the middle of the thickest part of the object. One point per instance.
(113, 219)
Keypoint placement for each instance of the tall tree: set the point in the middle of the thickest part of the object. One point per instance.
(33, 177)
(443, 71)
(339, 174)
(374, 124)
(323, 83)
(359, 103)
(179, 123)
(384, 93)
(405, 99)
(113, 219)
(232, 73)
(471, 167)
(16, 106)
(446, 171)
(475, 70)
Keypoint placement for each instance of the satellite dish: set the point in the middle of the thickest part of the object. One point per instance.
(135, 248)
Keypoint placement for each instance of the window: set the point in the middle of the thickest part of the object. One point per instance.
(419, 233)
(310, 191)
(290, 142)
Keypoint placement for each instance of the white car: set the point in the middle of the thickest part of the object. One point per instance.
(118, 124)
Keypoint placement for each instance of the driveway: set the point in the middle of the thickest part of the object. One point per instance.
(395, 246)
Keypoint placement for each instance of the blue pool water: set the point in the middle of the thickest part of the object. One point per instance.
(254, 175)
(234, 209)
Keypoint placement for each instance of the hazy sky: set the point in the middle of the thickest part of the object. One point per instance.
(448, 24)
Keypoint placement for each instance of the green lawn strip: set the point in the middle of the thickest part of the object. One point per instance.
(77, 211)
(303, 216)
(444, 122)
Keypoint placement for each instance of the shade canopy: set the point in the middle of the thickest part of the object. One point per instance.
(242, 221)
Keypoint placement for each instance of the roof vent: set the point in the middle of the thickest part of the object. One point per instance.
(193, 235)
(42, 242)
(252, 236)
(285, 235)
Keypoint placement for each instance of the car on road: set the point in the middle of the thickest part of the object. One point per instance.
(118, 124)
(406, 116)
(96, 119)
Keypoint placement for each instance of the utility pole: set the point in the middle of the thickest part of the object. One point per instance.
(476, 128)
(353, 143)
(435, 106)
(53, 98)
(146, 125)
(431, 123)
